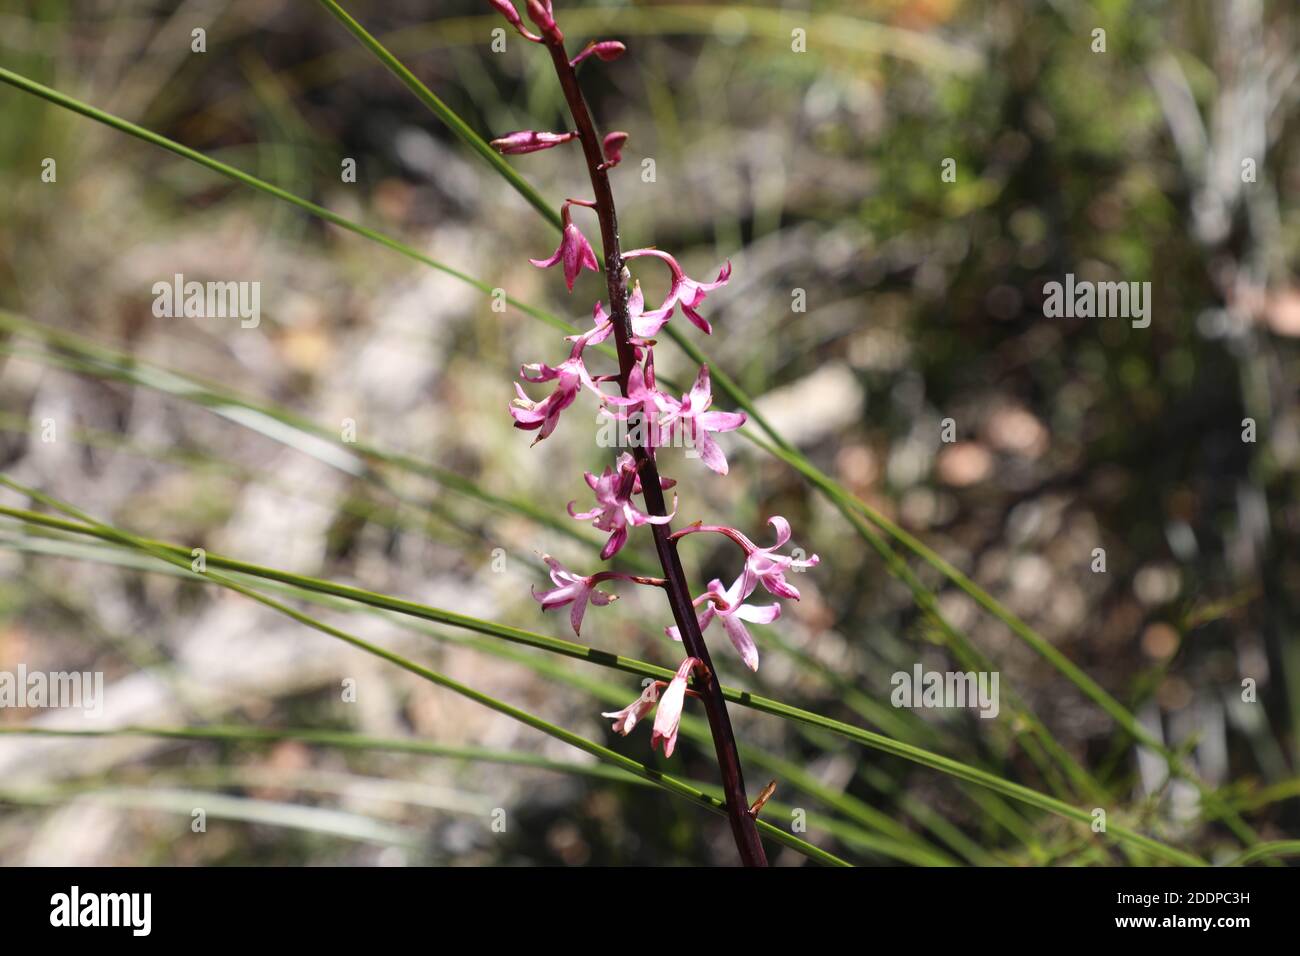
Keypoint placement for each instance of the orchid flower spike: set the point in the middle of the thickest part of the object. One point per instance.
(727, 605)
(529, 141)
(669, 716)
(763, 565)
(507, 10)
(606, 50)
(633, 713)
(614, 511)
(692, 417)
(685, 291)
(574, 249)
(570, 376)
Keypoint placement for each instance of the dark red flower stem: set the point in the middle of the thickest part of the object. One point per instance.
(679, 597)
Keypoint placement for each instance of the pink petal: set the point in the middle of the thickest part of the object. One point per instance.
(710, 452)
(777, 584)
(699, 321)
(722, 422)
(782, 531)
(741, 640)
(555, 597)
(578, 610)
(616, 541)
(701, 395)
(756, 614)
(547, 263)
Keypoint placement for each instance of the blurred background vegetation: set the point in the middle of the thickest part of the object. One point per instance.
(817, 171)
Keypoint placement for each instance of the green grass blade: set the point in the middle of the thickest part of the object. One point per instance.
(1267, 851)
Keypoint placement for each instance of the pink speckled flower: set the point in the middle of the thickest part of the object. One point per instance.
(614, 511)
(576, 590)
(574, 250)
(529, 141)
(685, 291)
(763, 565)
(644, 324)
(633, 713)
(570, 376)
(644, 402)
(692, 417)
(728, 607)
(669, 716)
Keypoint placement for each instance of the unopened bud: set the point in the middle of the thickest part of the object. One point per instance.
(605, 49)
(507, 10)
(529, 141)
(612, 146)
(539, 11)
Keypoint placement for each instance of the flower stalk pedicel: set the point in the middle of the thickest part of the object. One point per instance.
(635, 473)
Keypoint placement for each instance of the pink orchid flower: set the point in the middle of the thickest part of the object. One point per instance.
(692, 417)
(529, 141)
(644, 324)
(614, 511)
(633, 713)
(574, 250)
(642, 399)
(577, 590)
(727, 605)
(669, 716)
(685, 291)
(763, 564)
(570, 376)
(572, 589)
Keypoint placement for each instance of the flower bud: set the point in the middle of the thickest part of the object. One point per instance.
(507, 10)
(605, 49)
(529, 141)
(612, 146)
(539, 11)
